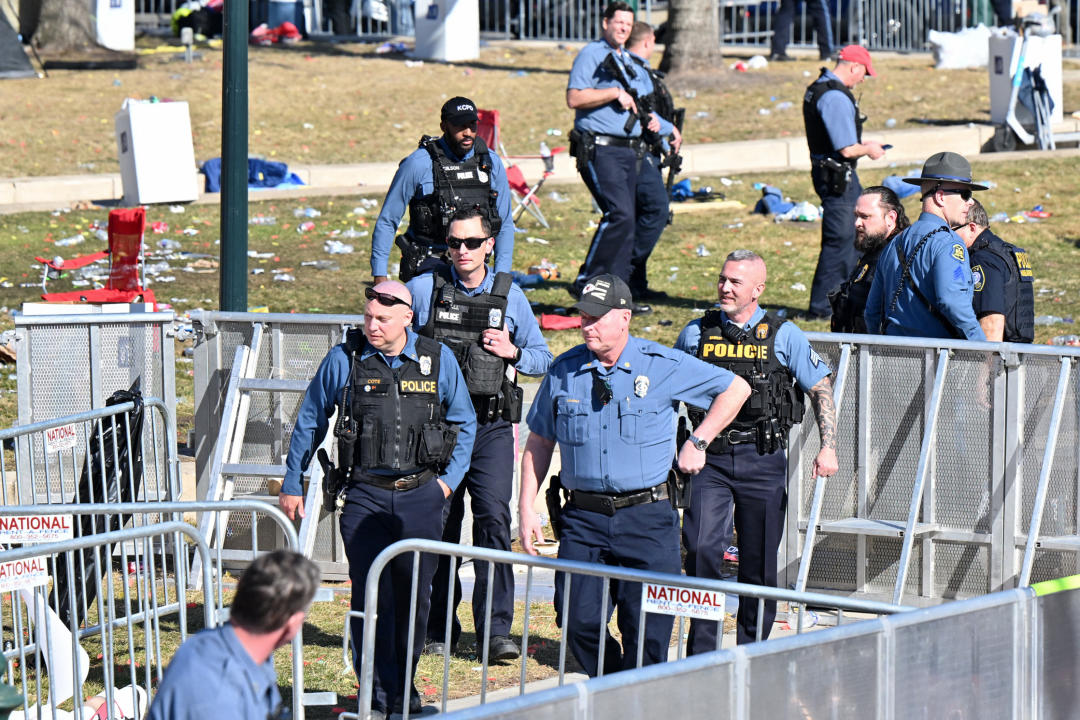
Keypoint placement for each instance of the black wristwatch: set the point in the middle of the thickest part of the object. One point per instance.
(698, 442)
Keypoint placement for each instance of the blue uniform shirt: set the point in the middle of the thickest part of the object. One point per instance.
(940, 270)
(609, 118)
(414, 179)
(520, 321)
(838, 114)
(213, 676)
(627, 444)
(792, 349)
(333, 374)
(642, 82)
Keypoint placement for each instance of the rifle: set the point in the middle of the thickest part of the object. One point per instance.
(642, 116)
(673, 160)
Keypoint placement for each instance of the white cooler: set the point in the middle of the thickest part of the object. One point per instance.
(447, 30)
(157, 158)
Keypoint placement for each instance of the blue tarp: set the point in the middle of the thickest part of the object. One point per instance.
(261, 174)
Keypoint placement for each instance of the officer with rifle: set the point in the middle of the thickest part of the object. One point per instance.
(484, 318)
(746, 465)
(443, 175)
(405, 433)
(610, 151)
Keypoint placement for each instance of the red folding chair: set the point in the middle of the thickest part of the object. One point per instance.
(126, 282)
(489, 130)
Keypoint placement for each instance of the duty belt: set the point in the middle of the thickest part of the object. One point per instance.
(608, 504)
(616, 141)
(388, 482)
(727, 438)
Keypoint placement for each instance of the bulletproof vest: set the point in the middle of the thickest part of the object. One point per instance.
(849, 300)
(457, 185)
(458, 321)
(774, 396)
(817, 136)
(660, 101)
(399, 421)
(1019, 286)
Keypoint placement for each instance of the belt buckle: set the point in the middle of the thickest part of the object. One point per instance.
(403, 483)
(607, 504)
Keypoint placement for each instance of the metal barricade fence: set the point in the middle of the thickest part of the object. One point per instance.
(572, 569)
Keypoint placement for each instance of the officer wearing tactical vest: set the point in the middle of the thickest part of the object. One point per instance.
(443, 175)
(1003, 281)
(834, 134)
(746, 465)
(488, 324)
(405, 432)
(879, 216)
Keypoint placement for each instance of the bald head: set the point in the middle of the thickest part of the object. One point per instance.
(387, 316)
(741, 282)
(395, 289)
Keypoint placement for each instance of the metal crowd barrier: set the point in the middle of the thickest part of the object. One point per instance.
(1006, 656)
(573, 569)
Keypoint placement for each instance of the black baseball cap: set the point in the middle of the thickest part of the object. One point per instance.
(459, 111)
(603, 293)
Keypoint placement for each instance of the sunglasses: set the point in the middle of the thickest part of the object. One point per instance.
(472, 243)
(602, 389)
(964, 193)
(385, 298)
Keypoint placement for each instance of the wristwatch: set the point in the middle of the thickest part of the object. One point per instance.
(698, 442)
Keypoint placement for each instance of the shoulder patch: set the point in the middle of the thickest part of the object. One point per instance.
(862, 273)
(815, 358)
(958, 252)
(978, 277)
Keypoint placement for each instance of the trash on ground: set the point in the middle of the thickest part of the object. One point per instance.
(798, 287)
(335, 247)
(772, 201)
(1052, 320)
(284, 277)
(540, 241)
(1068, 340)
(308, 212)
(321, 265)
(263, 220)
(757, 62)
(702, 251)
(69, 241)
(546, 269)
(801, 212)
(304, 227)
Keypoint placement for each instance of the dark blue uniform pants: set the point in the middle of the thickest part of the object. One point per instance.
(642, 536)
(818, 11)
(652, 215)
(373, 519)
(838, 254)
(489, 481)
(757, 487)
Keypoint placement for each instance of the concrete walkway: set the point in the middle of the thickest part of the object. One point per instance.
(910, 146)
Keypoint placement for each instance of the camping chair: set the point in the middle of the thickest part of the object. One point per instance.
(125, 283)
(489, 130)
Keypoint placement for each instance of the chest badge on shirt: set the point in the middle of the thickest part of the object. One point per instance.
(641, 386)
(481, 175)
(494, 317)
(425, 365)
(978, 277)
(761, 331)
(958, 252)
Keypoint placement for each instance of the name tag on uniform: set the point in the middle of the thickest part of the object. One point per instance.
(1024, 265)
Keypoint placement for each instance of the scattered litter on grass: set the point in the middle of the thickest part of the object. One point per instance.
(757, 62)
(890, 123)
(1069, 340)
(701, 114)
(1053, 320)
(176, 209)
(69, 241)
(555, 132)
(284, 277)
(702, 251)
(801, 212)
(798, 287)
(540, 241)
(764, 111)
(257, 271)
(308, 126)
(689, 94)
(305, 227)
(260, 255)
(414, 63)
(350, 233)
(391, 47)
(308, 212)
(168, 245)
(263, 220)
(322, 265)
(335, 247)
(160, 228)
(784, 105)
(557, 197)
(546, 269)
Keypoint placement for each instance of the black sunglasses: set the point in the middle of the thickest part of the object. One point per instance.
(964, 193)
(472, 243)
(384, 298)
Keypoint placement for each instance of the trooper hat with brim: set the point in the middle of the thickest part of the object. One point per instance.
(946, 167)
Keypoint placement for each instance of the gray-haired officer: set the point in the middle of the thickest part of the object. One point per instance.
(746, 465)
(922, 286)
(609, 404)
(486, 320)
(1003, 281)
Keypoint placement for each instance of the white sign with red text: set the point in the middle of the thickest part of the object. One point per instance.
(61, 438)
(672, 600)
(36, 528)
(23, 574)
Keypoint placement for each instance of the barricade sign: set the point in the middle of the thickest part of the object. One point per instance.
(23, 574)
(672, 600)
(36, 528)
(61, 438)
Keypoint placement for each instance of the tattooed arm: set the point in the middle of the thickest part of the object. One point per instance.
(825, 464)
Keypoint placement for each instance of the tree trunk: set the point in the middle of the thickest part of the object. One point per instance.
(693, 38)
(66, 26)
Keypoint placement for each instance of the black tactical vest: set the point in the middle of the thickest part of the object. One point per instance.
(1019, 286)
(849, 300)
(817, 136)
(458, 321)
(775, 402)
(399, 422)
(660, 100)
(457, 185)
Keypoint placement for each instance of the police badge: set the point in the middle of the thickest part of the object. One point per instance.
(762, 331)
(481, 175)
(494, 317)
(978, 277)
(425, 365)
(641, 386)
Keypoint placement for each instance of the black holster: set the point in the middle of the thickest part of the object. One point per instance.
(582, 147)
(413, 254)
(679, 486)
(837, 174)
(554, 501)
(333, 486)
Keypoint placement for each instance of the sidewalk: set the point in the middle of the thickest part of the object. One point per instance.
(779, 155)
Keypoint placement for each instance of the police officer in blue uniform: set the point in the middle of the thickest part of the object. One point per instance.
(609, 404)
(487, 322)
(405, 433)
(607, 143)
(746, 465)
(1003, 281)
(453, 171)
(834, 134)
(922, 286)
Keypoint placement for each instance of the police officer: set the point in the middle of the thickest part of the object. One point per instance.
(746, 465)
(608, 403)
(444, 174)
(879, 216)
(1003, 281)
(834, 134)
(922, 285)
(652, 195)
(606, 141)
(487, 322)
(404, 401)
